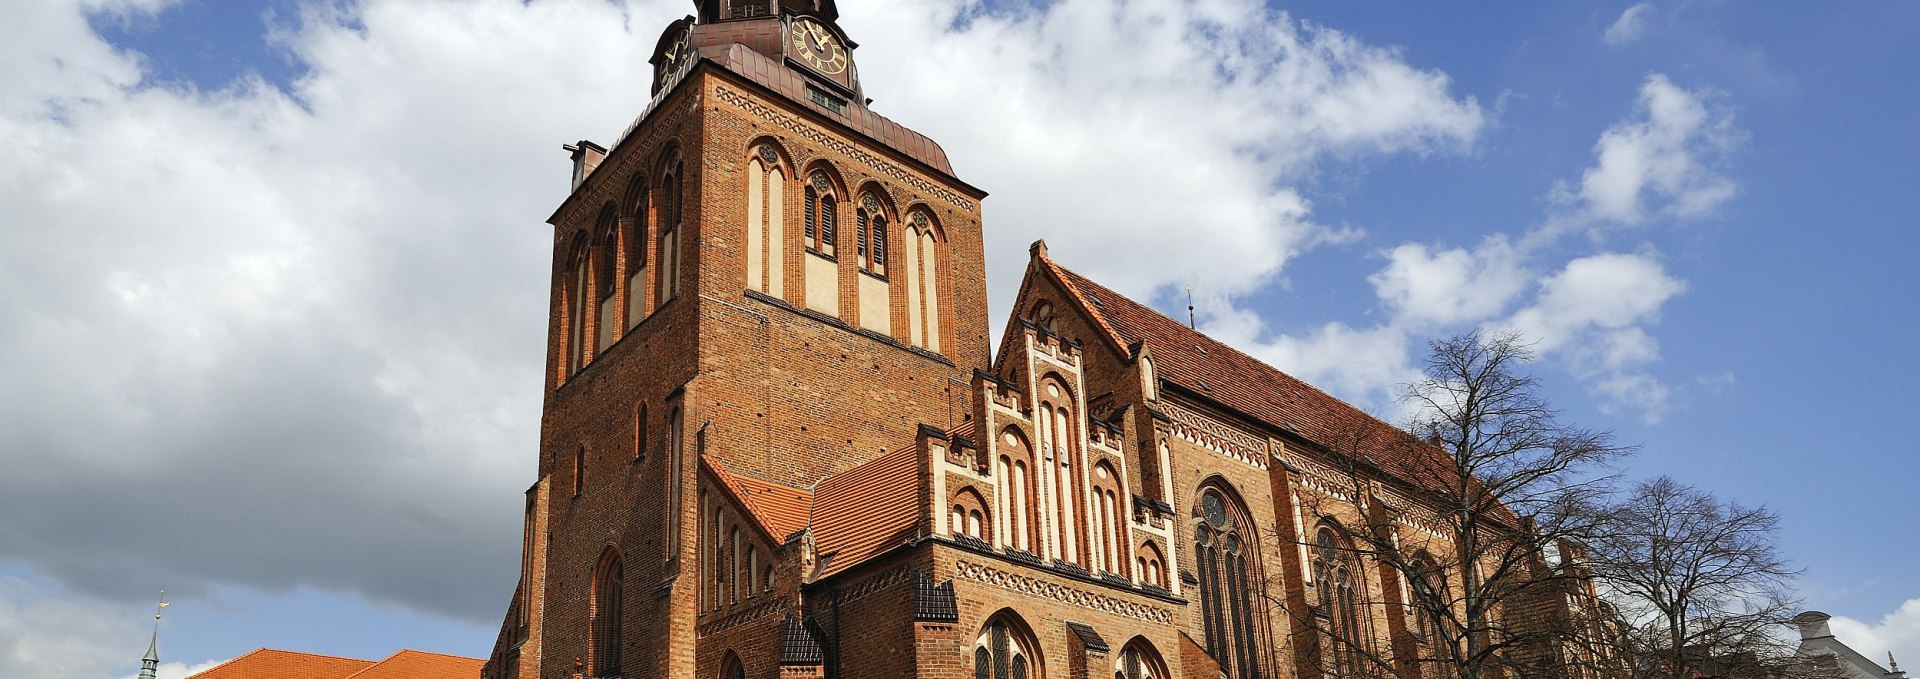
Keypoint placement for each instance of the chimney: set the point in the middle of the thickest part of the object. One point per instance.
(1813, 625)
(586, 156)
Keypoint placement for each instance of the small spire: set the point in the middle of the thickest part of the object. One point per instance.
(1190, 324)
(150, 663)
(1893, 664)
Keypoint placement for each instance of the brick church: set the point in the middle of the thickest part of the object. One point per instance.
(778, 440)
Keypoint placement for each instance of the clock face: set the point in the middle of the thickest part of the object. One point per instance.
(672, 57)
(817, 47)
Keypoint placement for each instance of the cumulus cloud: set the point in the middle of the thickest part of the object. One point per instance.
(275, 336)
(1430, 286)
(1898, 632)
(1630, 26)
(49, 634)
(1666, 161)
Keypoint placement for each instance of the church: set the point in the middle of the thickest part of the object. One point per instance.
(778, 439)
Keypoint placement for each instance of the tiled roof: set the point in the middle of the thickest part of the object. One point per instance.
(798, 645)
(870, 508)
(1088, 637)
(412, 664)
(782, 511)
(269, 663)
(1203, 365)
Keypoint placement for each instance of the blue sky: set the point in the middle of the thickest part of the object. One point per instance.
(1703, 210)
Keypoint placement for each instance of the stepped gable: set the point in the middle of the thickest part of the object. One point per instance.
(781, 511)
(270, 663)
(865, 511)
(1250, 386)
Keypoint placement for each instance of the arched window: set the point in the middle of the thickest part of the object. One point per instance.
(822, 213)
(730, 667)
(1227, 563)
(1152, 566)
(1149, 382)
(766, 222)
(1427, 590)
(607, 275)
(1108, 519)
(969, 515)
(576, 303)
(675, 445)
(1139, 660)
(636, 241)
(1014, 472)
(923, 281)
(1059, 435)
(606, 619)
(669, 249)
(1005, 650)
(1337, 584)
(640, 433)
(870, 235)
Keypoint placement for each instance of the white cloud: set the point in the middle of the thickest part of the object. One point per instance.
(46, 633)
(1665, 162)
(1593, 312)
(1630, 26)
(1898, 632)
(1422, 284)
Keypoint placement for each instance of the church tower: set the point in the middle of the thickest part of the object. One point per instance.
(762, 277)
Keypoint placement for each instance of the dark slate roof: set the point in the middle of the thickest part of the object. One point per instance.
(1087, 636)
(799, 646)
(934, 603)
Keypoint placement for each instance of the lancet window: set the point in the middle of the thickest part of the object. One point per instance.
(1227, 562)
(822, 214)
(1004, 650)
(606, 276)
(636, 242)
(1015, 474)
(669, 248)
(1139, 660)
(766, 222)
(1337, 585)
(923, 282)
(870, 235)
(605, 625)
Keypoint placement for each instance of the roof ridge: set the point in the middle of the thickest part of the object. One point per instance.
(449, 655)
(1099, 319)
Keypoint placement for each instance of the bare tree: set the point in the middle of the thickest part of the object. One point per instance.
(1486, 481)
(1697, 579)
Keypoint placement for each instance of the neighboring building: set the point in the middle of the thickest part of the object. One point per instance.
(776, 440)
(268, 663)
(1827, 655)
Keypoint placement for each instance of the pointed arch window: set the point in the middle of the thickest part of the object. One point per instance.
(606, 276)
(766, 222)
(1228, 567)
(822, 214)
(1337, 586)
(669, 247)
(923, 282)
(1014, 476)
(1139, 660)
(636, 243)
(870, 235)
(1004, 651)
(608, 597)
(575, 293)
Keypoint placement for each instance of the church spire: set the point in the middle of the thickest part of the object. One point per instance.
(150, 663)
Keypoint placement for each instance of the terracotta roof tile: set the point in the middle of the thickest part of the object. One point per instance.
(269, 663)
(1203, 365)
(780, 510)
(412, 664)
(866, 510)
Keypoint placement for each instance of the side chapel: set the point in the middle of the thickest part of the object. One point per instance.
(776, 441)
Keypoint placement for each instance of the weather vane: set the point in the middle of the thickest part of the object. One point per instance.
(162, 603)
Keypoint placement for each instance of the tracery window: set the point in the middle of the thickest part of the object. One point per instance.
(823, 215)
(1336, 579)
(923, 281)
(870, 236)
(605, 624)
(1004, 651)
(1227, 562)
(766, 222)
(1139, 660)
(1042, 315)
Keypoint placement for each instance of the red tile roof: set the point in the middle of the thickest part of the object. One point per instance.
(412, 664)
(1205, 366)
(780, 510)
(873, 507)
(269, 663)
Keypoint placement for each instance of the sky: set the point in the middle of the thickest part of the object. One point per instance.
(272, 274)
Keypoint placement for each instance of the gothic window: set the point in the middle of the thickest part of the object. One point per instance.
(1139, 660)
(730, 667)
(766, 222)
(870, 235)
(1227, 562)
(675, 444)
(1004, 650)
(923, 281)
(1149, 383)
(1060, 436)
(735, 564)
(576, 303)
(1426, 590)
(1151, 566)
(1108, 519)
(1337, 584)
(1042, 315)
(606, 274)
(669, 248)
(822, 213)
(1014, 473)
(636, 242)
(605, 627)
